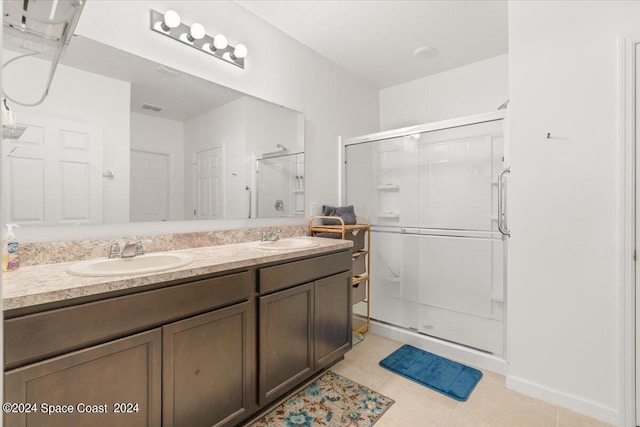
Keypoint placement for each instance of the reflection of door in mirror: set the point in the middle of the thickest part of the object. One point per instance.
(53, 173)
(149, 186)
(208, 175)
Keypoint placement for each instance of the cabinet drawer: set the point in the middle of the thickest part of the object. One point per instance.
(359, 263)
(297, 272)
(41, 335)
(359, 291)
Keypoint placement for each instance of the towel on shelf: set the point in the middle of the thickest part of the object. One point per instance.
(345, 212)
(328, 235)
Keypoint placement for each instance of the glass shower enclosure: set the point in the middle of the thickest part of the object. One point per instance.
(435, 195)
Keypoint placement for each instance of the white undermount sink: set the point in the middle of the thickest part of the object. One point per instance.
(287, 244)
(148, 263)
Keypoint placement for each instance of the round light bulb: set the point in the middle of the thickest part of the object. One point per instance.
(240, 51)
(196, 32)
(171, 19)
(227, 56)
(220, 41)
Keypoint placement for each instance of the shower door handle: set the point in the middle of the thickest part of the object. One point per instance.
(502, 220)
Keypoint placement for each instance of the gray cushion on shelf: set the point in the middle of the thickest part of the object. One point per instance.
(345, 212)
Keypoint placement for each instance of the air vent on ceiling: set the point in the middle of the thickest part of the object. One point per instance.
(168, 71)
(152, 107)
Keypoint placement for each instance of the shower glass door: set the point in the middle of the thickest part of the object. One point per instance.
(280, 186)
(437, 255)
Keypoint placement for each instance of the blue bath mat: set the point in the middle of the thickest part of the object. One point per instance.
(442, 375)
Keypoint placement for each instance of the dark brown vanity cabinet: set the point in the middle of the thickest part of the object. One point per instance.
(183, 369)
(303, 327)
(286, 340)
(332, 325)
(209, 368)
(112, 384)
(205, 352)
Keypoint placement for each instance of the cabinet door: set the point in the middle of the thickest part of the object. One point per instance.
(286, 340)
(100, 378)
(332, 318)
(209, 368)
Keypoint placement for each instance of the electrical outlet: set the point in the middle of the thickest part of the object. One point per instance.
(313, 208)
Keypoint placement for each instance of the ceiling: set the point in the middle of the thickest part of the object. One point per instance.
(182, 96)
(376, 39)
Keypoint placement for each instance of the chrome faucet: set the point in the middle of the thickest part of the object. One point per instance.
(270, 237)
(132, 249)
(129, 250)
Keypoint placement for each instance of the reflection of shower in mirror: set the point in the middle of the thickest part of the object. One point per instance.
(280, 185)
(282, 150)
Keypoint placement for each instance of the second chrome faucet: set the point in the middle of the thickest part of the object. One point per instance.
(270, 237)
(130, 250)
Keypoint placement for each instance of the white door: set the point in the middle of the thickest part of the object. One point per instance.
(208, 183)
(149, 192)
(53, 173)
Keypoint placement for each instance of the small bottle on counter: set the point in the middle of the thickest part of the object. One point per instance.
(10, 247)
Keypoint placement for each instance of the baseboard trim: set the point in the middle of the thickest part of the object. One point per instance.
(446, 349)
(566, 400)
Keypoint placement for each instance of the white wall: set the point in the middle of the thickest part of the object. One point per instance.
(278, 69)
(564, 199)
(268, 125)
(85, 97)
(472, 89)
(157, 135)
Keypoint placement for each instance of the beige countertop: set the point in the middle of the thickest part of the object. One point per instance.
(41, 284)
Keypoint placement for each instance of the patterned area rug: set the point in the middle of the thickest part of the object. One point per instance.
(331, 400)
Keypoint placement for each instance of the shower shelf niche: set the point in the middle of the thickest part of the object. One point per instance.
(389, 215)
(389, 187)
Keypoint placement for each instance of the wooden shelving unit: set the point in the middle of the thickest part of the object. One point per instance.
(361, 248)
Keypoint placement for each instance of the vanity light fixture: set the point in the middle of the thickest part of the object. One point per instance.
(170, 20)
(196, 32)
(169, 24)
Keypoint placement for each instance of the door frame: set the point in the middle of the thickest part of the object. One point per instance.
(627, 238)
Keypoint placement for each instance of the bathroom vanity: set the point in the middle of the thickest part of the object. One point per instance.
(207, 344)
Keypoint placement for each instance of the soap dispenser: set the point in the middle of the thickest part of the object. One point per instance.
(7, 117)
(10, 246)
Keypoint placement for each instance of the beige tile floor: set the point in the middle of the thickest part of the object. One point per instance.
(490, 405)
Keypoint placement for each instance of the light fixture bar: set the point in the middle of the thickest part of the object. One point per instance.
(195, 37)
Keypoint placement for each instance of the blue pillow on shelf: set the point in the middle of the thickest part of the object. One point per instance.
(345, 212)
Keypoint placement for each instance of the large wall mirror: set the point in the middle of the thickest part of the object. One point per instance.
(123, 139)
